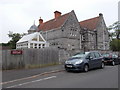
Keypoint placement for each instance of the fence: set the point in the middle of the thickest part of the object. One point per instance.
(30, 58)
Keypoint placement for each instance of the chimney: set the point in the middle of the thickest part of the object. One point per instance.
(57, 14)
(40, 21)
(100, 14)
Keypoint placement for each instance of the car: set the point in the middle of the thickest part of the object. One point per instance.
(111, 59)
(84, 61)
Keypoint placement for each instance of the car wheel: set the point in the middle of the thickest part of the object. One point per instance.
(86, 68)
(102, 65)
(113, 63)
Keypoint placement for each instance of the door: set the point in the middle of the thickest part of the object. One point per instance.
(98, 59)
(92, 62)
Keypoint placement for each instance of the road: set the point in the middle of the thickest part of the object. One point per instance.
(98, 78)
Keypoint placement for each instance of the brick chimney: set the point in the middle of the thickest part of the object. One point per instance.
(40, 21)
(57, 14)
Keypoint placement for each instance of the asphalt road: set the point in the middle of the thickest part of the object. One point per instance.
(98, 78)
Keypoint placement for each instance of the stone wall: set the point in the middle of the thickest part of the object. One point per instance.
(67, 36)
(102, 35)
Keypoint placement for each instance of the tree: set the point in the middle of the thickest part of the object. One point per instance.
(115, 45)
(14, 38)
(114, 30)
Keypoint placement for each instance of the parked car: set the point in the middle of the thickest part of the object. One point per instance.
(111, 59)
(84, 61)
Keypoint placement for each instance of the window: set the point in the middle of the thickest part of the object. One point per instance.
(83, 37)
(91, 55)
(34, 39)
(43, 45)
(31, 44)
(40, 39)
(35, 45)
(97, 55)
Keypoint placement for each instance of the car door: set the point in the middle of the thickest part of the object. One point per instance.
(98, 59)
(91, 62)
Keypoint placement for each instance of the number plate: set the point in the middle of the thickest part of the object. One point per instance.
(69, 65)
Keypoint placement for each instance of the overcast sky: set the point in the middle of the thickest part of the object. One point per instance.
(19, 15)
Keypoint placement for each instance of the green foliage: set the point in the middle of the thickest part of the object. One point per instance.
(114, 30)
(114, 33)
(4, 44)
(14, 38)
(115, 45)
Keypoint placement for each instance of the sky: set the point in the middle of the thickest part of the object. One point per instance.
(18, 15)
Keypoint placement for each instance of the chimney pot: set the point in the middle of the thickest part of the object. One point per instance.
(40, 21)
(57, 14)
(100, 14)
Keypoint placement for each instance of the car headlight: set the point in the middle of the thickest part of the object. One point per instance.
(66, 62)
(78, 62)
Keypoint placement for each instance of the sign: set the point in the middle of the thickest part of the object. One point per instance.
(16, 52)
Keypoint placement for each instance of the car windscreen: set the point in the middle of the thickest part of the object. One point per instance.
(78, 56)
(105, 55)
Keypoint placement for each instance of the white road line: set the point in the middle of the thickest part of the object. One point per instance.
(1, 83)
(31, 82)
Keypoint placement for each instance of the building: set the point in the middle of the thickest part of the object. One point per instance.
(63, 31)
(94, 34)
(32, 29)
(33, 40)
(67, 33)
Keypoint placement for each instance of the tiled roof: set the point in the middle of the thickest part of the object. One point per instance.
(53, 23)
(90, 23)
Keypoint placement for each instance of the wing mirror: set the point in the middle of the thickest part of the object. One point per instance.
(90, 58)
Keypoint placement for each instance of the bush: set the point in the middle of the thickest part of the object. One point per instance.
(115, 45)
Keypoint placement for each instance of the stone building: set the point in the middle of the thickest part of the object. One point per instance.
(67, 33)
(62, 32)
(94, 34)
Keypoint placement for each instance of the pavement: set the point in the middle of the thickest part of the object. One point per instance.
(10, 75)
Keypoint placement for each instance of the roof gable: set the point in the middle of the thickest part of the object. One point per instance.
(90, 24)
(32, 37)
(53, 23)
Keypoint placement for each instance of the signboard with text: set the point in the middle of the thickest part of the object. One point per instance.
(16, 52)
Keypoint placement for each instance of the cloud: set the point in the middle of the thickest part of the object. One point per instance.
(11, 1)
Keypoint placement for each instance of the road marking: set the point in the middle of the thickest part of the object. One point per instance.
(45, 73)
(32, 82)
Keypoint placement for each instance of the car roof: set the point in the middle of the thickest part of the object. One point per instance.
(85, 52)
